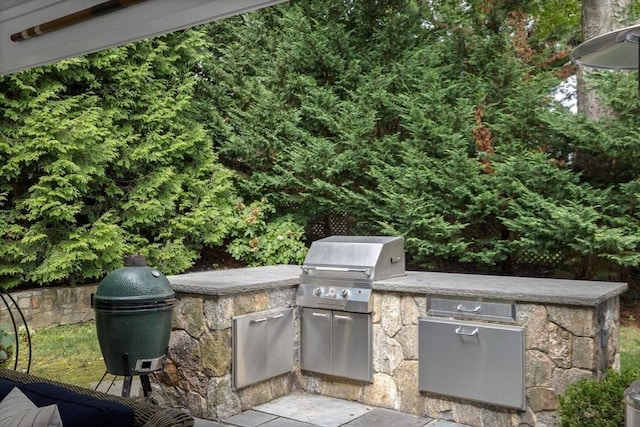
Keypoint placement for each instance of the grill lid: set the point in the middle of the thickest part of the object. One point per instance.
(365, 257)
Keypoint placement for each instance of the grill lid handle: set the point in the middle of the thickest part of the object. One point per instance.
(366, 271)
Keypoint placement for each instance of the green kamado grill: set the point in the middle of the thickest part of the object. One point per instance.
(133, 310)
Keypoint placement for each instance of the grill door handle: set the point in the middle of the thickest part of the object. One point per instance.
(461, 309)
(277, 316)
(325, 315)
(460, 331)
(264, 319)
(339, 317)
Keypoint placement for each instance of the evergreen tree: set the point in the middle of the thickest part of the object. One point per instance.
(102, 156)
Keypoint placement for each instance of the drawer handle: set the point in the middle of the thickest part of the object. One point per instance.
(264, 319)
(461, 308)
(337, 316)
(460, 331)
(325, 315)
(277, 316)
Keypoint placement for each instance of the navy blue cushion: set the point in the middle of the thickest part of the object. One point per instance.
(76, 410)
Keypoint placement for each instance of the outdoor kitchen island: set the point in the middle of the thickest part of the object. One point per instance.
(557, 332)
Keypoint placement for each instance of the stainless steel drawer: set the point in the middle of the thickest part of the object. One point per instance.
(471, 360)
(472, 308)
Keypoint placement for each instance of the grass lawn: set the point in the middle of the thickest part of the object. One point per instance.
(68, 353)
(72, 354)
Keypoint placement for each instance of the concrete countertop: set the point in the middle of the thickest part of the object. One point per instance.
(236, 281)
(525, 289)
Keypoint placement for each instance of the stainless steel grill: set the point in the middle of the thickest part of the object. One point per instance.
(335, 296)
(338, 271)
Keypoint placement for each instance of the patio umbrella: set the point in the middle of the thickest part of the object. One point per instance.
(615, 50)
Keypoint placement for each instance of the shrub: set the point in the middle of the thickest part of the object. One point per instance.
(258, 241)
(593, 403)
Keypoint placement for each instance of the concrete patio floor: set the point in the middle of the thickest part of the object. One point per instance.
(312, 410)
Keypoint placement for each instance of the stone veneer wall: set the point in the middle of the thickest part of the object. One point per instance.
(46, 307)
(197, 372)
(563, 344)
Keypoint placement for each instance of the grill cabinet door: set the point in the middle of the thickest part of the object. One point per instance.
(280, 342)
(315, 336)
(352, 345)
(477, 361)
(249, 349)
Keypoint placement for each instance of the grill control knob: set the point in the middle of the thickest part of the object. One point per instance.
(345, 293)
(318, 292)
(331, 293)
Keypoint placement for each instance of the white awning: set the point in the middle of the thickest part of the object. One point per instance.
(108, 24)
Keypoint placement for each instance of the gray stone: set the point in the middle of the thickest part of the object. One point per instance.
(391, 322)
(218, 313)
(539, 369)
(191, 316)
(382, 392)
(284, 422)
(223, 402)
(282, 297)
(388, 355)
(583, 353)
(215, 348)
(536, 330)
(564, 377)
(577, 320)
(380, 417)
(409, 397)
(249, 418)
(407, 337)
(542, 399)
(560, 345)
(410, 310)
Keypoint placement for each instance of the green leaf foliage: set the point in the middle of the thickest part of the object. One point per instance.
(102, 156)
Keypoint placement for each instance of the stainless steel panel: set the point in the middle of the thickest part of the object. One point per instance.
(249, 349)
(262, 346)
(359, 257)
(472, 360)
(352, 345)
(344, 298)
(472, 308)
(315, 337)
(280, 342)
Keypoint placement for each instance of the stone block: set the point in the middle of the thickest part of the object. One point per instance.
(218, 313)
(215, 350)
(190, 316)
(341, 388)
(383, 392)
(564, 377)
(387, 355)
(282, 297)
(408, 340)
(410, 310)
(584, 353)
(579, 321)
(391, 322)
(535, 333)
(538, 369)
(542, 399)
(560, 344)
(409, 398)
(250, 303)
(222, 402)
(254, 395)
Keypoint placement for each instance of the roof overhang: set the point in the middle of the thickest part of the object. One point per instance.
(111, 23)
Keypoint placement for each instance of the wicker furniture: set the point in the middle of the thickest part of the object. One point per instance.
(145, 414)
